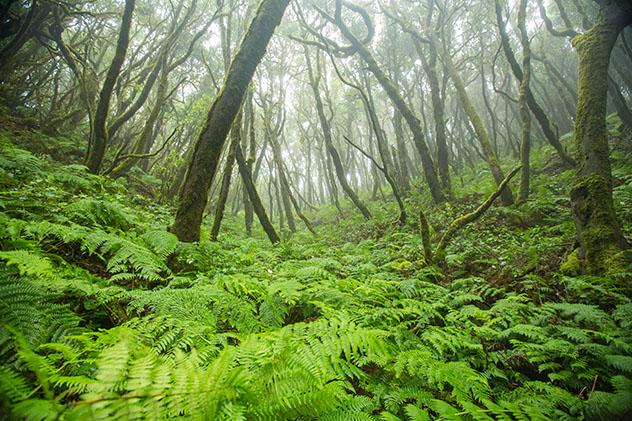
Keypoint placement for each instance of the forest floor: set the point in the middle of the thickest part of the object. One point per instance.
(103, 314)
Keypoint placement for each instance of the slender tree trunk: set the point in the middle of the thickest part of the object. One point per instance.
(479, 127)
(210, 142)
(598, 231)
(235, 135)
(402, 168)
(99, 139)
(259, 210)
(620, 105)
(329, 145)
(393, 93)
(284, 187)
(538, 112)
(252, 149)
(430, 67)
(525, 117)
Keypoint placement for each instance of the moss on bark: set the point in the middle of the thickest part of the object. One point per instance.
(598, 231)
(208, 147)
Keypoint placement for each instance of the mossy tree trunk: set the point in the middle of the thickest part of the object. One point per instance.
(538, 112)
(210, 142)
(601, 242)
(99, 138)
(479, 128)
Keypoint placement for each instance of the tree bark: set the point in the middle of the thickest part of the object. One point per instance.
(99, 140)
(598, 231)
(208, 146)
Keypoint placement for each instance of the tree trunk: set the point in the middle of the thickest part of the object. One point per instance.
(598, 231)
(393, 93)
(479, 127)
(248, 211)
(525, 117)
(235, 134)
(209, 144)
(99, 140)
(329, 145)
(430, 67)
(538, 112)
(249, 185)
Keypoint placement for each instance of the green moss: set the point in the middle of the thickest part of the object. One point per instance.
(620, 262)
(572, 265)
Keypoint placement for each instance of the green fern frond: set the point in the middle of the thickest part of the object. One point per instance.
(28, 263)
(161, 242)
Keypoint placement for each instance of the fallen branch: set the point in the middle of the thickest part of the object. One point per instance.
(462, 221)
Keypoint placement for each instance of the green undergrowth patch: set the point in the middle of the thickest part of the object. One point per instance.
(104, 314)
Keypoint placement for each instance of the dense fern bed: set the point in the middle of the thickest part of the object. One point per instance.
(104, 315)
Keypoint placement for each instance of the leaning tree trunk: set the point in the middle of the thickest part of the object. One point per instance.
(393, 93)
(599, 236)
(208, 146)
(235, 134)
(249, 185)
(479, 128)
(99, 139)
(538, 112)
(430, 68)
(248, 210)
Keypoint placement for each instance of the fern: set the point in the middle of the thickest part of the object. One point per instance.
(99, 212)
(28, 263)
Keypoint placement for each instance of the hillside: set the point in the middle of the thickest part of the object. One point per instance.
(104, 314)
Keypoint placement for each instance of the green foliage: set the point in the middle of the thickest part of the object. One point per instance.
(104, 315)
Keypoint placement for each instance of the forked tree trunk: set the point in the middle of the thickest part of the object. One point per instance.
(329, 145)
(210, 142)
(235, 140)
(538, 112)
(249, 185)
(248, 210)
(601, 243)
(391, 90)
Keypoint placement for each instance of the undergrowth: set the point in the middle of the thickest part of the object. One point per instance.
(104, 315)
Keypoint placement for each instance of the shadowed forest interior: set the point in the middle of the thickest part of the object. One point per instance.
(315, 209)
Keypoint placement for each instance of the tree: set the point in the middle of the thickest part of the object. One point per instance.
(99, 138)
(479, 128)
(601, 242)
(208, 147)
(314, 80)
(525, 118)
(359, 46)
(538, 112)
